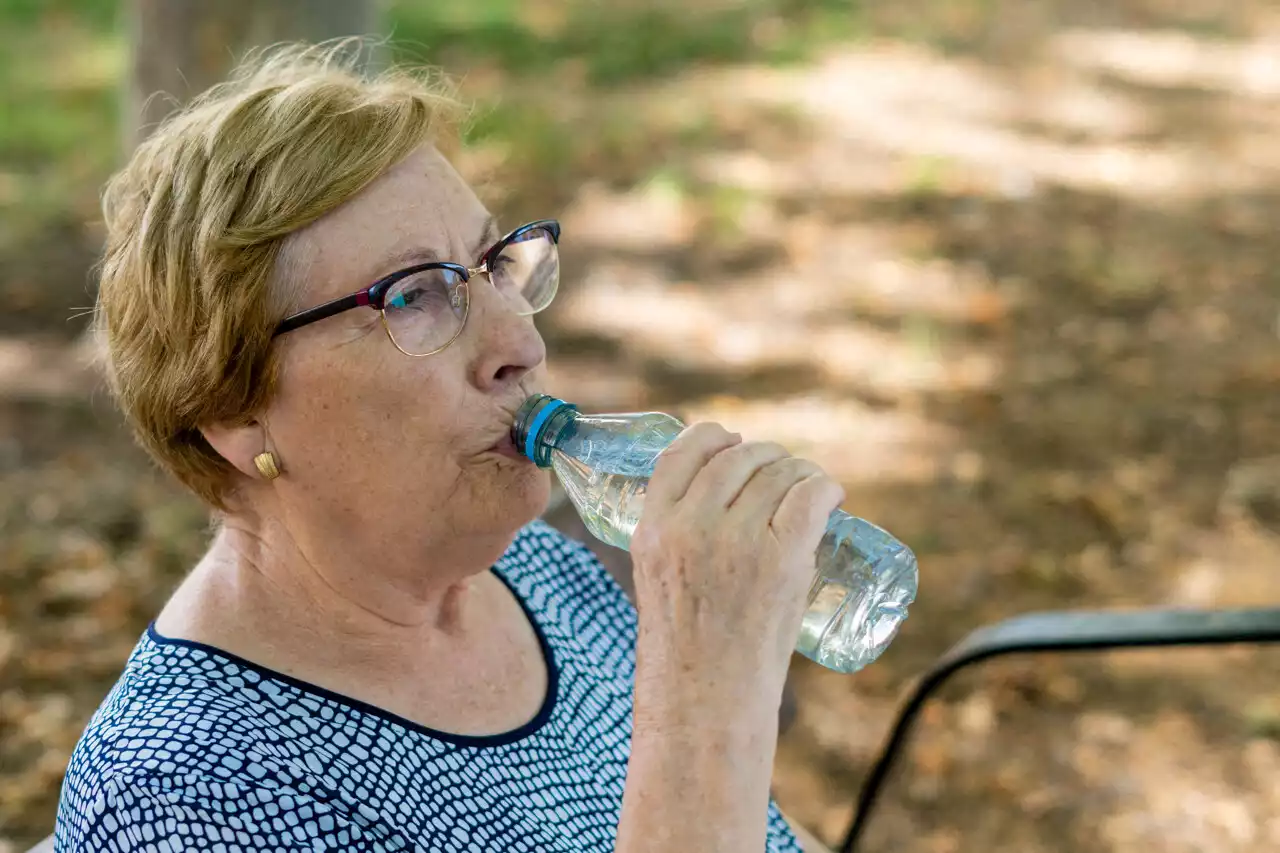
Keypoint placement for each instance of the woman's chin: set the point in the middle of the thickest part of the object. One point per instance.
(501, 493)
(527, 492)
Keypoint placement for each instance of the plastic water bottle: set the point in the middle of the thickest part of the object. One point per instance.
(865, 578)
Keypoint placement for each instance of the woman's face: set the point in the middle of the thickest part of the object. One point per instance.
(392, 446)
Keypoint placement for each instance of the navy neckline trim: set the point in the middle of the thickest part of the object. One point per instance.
(502, 739)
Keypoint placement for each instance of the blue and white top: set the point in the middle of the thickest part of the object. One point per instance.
(197, 749)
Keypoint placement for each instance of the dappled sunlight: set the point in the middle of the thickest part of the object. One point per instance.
(864, 270)
(1174, 59)
(1164, 800)
(651, 218)
(989, 130)
(853, 442)
(727, 328)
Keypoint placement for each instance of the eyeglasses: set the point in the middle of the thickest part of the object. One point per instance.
(424, 307)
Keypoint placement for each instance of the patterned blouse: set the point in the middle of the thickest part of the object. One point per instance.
(197, 749)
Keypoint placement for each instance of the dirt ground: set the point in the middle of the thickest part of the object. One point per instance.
(1018, 287)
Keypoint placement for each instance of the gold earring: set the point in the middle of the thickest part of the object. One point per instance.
(266, 464)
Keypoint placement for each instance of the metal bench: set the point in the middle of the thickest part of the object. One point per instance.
(1060, 632)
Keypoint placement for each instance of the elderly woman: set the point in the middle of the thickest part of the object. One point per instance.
(316, 326)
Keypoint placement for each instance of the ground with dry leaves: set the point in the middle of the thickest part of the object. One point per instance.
(1007, 269)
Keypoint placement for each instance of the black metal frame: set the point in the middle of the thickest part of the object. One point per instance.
(374, 295)
(1062, 631)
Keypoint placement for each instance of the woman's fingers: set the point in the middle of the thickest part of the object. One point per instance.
(801, 518)
(680, 463)
(763, 494)
(724, 557)
(725, 475)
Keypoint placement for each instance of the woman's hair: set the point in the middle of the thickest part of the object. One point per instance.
(195, 275)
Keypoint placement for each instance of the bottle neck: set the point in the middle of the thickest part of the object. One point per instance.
(538, 425)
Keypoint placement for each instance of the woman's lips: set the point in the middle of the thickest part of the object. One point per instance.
(506, 447)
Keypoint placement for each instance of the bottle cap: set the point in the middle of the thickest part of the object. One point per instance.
(532, 420)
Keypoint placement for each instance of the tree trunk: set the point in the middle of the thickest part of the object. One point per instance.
(182, 47)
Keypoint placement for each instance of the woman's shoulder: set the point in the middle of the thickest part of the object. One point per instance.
(154, 674)
(180, 747)
(130, 734)
(176, 709)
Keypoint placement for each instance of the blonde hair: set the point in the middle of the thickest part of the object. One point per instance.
(192, 281)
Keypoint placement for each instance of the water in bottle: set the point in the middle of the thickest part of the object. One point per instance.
(865, 578)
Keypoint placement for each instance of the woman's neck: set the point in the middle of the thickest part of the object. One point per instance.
(469, 662)
(258, 588)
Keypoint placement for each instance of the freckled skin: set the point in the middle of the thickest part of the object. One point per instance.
(391, 446)
(363, 568)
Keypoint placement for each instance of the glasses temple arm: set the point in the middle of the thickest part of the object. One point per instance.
(320, 312)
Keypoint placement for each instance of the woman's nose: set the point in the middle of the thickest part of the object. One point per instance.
(508, 343)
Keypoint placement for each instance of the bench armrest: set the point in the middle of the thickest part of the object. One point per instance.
(1063, 631)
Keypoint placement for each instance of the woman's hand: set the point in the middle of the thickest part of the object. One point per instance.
(724, 556)
(724, 559)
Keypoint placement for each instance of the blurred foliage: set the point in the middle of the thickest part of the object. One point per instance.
(61, 64)
(619, 42)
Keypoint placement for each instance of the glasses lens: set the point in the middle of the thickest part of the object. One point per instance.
(527, 270)
(425, 310)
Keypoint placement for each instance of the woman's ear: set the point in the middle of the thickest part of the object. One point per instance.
(238, 444)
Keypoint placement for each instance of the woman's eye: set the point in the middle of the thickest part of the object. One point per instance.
(405, 298)
(416, 296)
(504, 271)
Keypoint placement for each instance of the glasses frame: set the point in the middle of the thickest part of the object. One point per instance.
(374, 295)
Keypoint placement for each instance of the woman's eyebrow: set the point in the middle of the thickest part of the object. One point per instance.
(488, 236)
(409, 257)
(426, 255)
